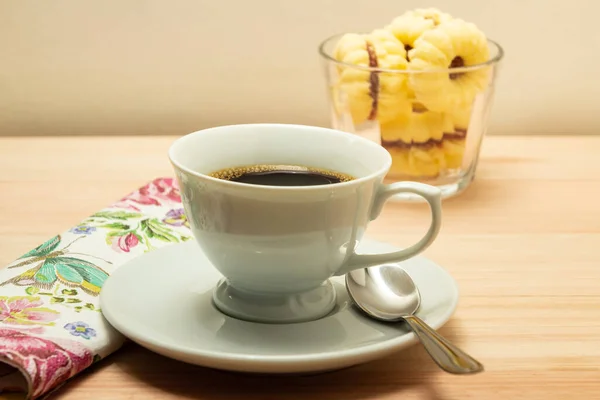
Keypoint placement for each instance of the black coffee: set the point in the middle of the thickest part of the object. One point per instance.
(281, 175)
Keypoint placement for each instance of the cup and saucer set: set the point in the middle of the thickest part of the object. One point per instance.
(262, 287)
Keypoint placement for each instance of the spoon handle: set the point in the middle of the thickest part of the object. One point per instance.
(449, 357)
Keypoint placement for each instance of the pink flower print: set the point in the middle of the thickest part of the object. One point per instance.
(154, 193)
(126, 205)
(47, 362)
(26, 310)
(162, 188)
(123, 244)
(36, 330)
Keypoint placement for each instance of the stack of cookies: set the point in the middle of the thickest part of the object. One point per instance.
(413, 77)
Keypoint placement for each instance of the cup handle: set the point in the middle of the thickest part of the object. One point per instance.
(431, 194)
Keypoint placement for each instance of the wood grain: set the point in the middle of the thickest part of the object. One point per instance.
(523, 244)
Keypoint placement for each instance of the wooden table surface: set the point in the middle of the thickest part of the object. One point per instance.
(523, 243)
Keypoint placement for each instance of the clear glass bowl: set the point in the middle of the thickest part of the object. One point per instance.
(438, 142)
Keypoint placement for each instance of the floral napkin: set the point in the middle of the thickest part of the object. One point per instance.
(51, 326)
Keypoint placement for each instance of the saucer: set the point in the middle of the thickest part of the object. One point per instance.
(162, 300)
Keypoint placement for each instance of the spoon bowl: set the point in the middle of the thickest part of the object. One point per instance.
(387, 293)
(384, 292)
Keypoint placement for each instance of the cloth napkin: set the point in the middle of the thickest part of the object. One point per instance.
(51, 324)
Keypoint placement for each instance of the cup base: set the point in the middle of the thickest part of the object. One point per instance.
(274, 308)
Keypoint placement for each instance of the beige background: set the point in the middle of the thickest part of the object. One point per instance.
(170, 67)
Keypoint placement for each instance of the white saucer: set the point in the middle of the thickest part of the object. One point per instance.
(163, 301)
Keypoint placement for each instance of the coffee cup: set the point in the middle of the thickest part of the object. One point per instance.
(277, 246)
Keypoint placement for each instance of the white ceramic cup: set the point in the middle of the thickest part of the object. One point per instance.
(277, 246)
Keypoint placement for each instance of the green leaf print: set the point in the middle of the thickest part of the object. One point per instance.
(69, 292)
(71, 300)
(90, 306)
(31, 290)
(116, 225)
(122, 215)
(148, 230)
(56, 300)
(153, 228)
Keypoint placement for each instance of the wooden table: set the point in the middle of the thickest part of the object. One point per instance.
(523, 244)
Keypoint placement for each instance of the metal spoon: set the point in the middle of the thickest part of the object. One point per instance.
(388, 293)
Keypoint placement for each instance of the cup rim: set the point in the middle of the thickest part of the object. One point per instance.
(456, 70)
(381, 171)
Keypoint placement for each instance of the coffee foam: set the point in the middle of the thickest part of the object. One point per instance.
(236, 172)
